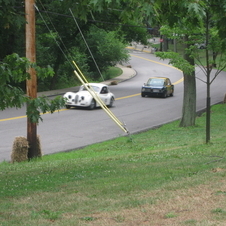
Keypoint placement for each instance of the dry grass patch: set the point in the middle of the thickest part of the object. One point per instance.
(189, 206)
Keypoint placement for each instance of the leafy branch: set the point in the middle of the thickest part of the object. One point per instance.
(13, 70)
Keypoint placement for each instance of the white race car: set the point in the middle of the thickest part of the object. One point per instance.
(83, 98)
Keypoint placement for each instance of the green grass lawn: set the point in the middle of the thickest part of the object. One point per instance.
(165, 176)
(112, 72)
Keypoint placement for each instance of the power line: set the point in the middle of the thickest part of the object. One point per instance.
(94, 21)
(87, 45)
(54, 36)
(63, 42)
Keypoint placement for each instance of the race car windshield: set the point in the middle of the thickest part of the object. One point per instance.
(95, 88)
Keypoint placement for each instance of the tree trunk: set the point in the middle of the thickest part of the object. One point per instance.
(175, 45)
(189, 101)
(55, 68)
(165, 44)
(161, 43)
(208, 82)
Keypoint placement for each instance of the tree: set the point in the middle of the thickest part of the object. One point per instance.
(57, 37)
(189, 99)
(186, 63)
(135, 32)
(205, 30)
(58, 44)
(216, 46)
(108, 48)
(12, 20)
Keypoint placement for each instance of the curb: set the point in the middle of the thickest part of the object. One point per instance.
(146, 50)
(127, 74)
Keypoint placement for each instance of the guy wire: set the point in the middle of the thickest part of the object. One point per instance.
(53, 35)
(86, 44)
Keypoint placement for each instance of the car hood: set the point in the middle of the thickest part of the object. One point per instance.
(153, 87)
(84, 93)
(80, 93)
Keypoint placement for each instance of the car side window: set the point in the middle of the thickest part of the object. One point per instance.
(104, 90)
(168, 82)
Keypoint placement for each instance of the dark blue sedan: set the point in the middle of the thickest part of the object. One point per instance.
(157, 86)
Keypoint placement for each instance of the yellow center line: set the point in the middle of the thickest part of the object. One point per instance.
(166, 65)
(24, 116)
(7, 119)
(156, 62)
(120, 98)
(179, 81)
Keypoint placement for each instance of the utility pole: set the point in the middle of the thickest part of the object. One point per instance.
(31, 85)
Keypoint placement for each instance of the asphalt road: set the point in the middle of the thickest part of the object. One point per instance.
(75, 128)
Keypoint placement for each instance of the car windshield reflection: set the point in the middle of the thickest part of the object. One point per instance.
(95, 88)
(155, 82)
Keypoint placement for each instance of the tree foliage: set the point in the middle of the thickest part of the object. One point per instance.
(109, 49)
(58, 39)
(177, 61)
(14, 69)
(62, 40)
(12, 20)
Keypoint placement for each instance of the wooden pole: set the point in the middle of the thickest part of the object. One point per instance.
(32, 82)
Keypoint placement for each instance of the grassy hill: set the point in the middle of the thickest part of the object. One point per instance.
(166, 176)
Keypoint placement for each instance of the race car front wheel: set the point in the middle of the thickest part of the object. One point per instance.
(92, 104)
